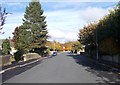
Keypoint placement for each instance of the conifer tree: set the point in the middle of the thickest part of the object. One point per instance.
(34, 22)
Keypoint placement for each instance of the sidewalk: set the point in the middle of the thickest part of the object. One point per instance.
(20, 64)
(114, 66)
(107, 64)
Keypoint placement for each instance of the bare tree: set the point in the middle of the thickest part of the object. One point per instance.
(3, 16)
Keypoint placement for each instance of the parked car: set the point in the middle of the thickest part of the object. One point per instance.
(54, 53)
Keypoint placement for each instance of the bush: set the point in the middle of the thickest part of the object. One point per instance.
(6, 46)
(90, 50)
(18, 55)
(109, 47)
(41, 51)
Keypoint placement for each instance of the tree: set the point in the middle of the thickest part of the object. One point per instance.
(87, 34)
(76, 46)
(54, 46)
(21, 39)
(68, 45)
(6, 46)
(2, 18)
(107, 29)
(34, 24)
(16, 37)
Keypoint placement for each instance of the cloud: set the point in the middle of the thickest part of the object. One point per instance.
(65, 24)
(62, 36)
(91, 14)
(56, 33)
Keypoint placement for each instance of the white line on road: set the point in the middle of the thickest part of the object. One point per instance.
(2, 71)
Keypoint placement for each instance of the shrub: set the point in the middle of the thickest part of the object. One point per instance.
(18, 55)
(41, 51)
(109, 47)
(6, 46)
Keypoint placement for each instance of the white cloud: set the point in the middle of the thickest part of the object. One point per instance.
(62, 36)
(56, 33)
(91, 14)
(65, 24)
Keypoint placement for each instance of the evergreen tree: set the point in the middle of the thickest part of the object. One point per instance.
(35, 24)
(21, 39)
(16, 37)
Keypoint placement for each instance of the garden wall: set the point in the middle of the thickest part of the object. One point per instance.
(115, 58)
(5, 60)
(30, 56)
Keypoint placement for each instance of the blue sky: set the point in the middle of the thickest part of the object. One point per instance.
(64, 18)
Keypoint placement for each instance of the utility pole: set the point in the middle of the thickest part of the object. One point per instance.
(97, 57)
(54, 44)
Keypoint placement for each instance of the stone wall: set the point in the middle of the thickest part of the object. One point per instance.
(30, 56)
(112, 58)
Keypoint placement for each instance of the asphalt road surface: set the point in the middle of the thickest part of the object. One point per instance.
(66, 68)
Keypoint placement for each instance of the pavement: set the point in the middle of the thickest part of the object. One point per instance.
(17, 68)
(64, 68)
(19, 64)
(106, 64)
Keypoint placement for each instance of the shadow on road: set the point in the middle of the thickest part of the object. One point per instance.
(96, 68)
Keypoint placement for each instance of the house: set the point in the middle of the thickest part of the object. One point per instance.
(1, 41)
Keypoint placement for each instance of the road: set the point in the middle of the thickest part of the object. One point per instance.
(66, 68)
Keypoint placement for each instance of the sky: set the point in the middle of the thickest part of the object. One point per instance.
(64, 17)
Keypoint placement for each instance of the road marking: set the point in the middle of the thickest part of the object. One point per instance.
(2, 71)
